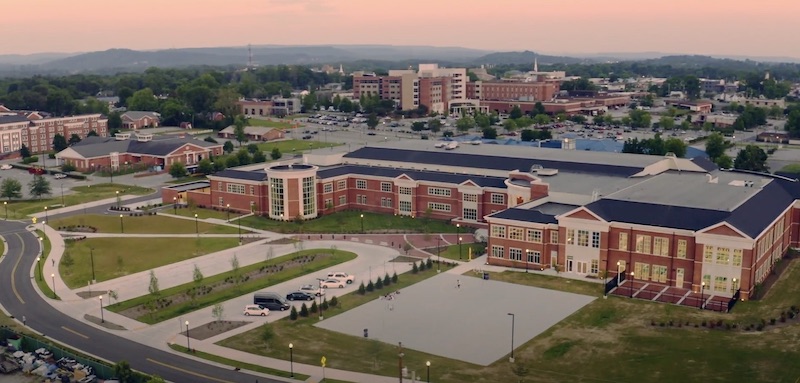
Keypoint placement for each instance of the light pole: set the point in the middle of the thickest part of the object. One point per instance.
(702, 291)
(291, 360)
(362, 223)
(228, 209)
(428, 364)
(91, 256)
(239, 222)
(319, 296)
(619, 272)
(121, 227)
(513, 317)
(102, 318)
(458, 233)
(631, 284)
(118, 202)
(5, 204)
(196, 226)
(62, 195)
(39, 264)
(53, 277)
(188, 346)
(400, 361)
(175, 205)
(46, 217)
(527, 259)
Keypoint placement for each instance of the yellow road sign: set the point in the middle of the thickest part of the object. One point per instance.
(323, 360)
(33, 219)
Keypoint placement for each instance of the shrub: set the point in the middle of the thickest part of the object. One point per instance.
(313, 308)
(379, 284)
(370, 287)
(671, 323)
(428, 263)
(414, 268)
(772, 321)
(719, 323)
(304, 311)
(394, 277)
(324, 304)
(386, 280)
(293, 313)
(704, 323)
(335, 301)
(652, 323)
(760, 327)
(421, 265)
(361, 289)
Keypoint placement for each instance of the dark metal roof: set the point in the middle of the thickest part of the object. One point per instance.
(705, 163)
(677, 217)
(250, 175)
(526, 215)
(190, 186)
(496, 182)
(102, 146)
(13, 118)
(764, 207)
(486, 162)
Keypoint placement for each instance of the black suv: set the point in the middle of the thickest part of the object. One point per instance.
(299, 296)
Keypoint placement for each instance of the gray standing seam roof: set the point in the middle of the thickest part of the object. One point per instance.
(677, 217)
(13, 118)
(525, 215)
(486, 162)
(242, 174)
(483, 181)
(760, 210)
(101, 146)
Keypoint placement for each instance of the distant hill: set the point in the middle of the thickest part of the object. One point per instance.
(527, 57)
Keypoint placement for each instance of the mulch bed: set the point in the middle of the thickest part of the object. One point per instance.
(214, 328)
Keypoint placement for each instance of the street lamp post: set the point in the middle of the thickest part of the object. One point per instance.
(527, 259)
(39, 265)
(631, 284)
(188, 346)
(400, 361)
(458, 234)
(62, 195)
(513, 317)
(702, 291)
(91, 256)
(291, 360)
(5, 204)
(239, 222)
(102, 318)
(428, 364)
(619, 272)
(362, 223)
(319, 291)
(53, 277)
(118, 202)
(196, 226)
(121, 226)
(459, 247)
(175, 205)
(228, 209)
(46, 217)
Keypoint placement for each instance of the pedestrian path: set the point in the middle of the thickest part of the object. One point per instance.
(74, 208)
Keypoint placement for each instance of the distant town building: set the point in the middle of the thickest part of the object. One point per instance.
(253, 133)
(36, 132)
(135, 120)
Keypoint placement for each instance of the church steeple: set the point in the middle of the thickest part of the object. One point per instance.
(536, 64)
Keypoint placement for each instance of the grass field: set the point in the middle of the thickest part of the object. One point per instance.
(342, 351)
(350, 222)
(453, 252)
(202, 213)
(44, 282)
(115, 257)
(88, 193)
(294, 146)
(221, 295)
(148, 224)
(270, 123)
(236, 363)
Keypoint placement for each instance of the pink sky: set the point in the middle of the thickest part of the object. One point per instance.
(754, 28)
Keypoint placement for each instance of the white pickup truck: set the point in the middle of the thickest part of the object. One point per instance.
(342, 276)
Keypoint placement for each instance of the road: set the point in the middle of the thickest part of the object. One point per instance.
(19, 297)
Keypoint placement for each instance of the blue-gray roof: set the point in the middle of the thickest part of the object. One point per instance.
(525, 215)
(483, 181)
(677, 217)
(96, 146)
(12, 118)
(486, 162)
(753, 216)
(250, 175)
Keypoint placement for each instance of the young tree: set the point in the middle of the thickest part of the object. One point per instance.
(205, 166)
(218, 312)
(293, 313)
(24, 152)
(490, 133)
(235, 268)
(197, 276)
(227, 147)
(515, 113)
(434, 124)
(716, 146)
(39, 186)
(276, 153)
(464, 124)
(304, 310)
(372, 121)
(74, 139)
(238, 129)
(177, 170)
(10, 188)
(123, 372)
(751, 158)
(67, 261)
(252, 148)
(259, 157)
(153, 287)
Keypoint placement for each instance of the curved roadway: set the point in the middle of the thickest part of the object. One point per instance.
(20, 297)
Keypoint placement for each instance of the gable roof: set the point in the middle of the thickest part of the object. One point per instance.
(12, 119)
(94, 146)
(760, 210)
(525, 215)
(486, 161)
(678, 217)
(455, 179)
(138, 115)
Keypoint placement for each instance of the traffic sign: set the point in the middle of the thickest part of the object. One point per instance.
(323, 360)
(34, 220)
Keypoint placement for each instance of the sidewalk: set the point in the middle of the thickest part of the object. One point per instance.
(69, 209)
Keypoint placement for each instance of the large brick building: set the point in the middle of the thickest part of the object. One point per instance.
(37, 133)
(670, 222)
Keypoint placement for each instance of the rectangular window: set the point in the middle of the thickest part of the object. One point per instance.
(404, 190)
(623, 242)
(219, 186)
(498, 251)
(404, 206)
(439, 192)
(328, 202)
(499, 199)
(583, 238)
(570, 236)
(470, 214)
(681, 249)
(659, 274)
(361, 199)
(515, 254)
(361, 184)
(737, 257)
(720, 284)
(386, 187)
(707, 281)
(276, 196)
(534, 256)
(516, 233)
(436, 206)
(341, 184)
(534, 236)
(641, 270)
(498, 231)
(252, 190)
(643, 244)
(708, 254)
(236, 188)
(470, 198)
(221, 202)
(723, 255)
(595, 240)
(386, 202)
(309, 195)
(660, 246)
(554, 236)
(342, 200)
(327, 188)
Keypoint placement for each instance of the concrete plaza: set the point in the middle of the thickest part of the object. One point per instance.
(469, 323)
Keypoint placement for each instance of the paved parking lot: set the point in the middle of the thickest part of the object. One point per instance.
(55, 185)
(470, 323)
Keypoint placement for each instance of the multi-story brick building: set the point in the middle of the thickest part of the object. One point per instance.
(431, 87)
(535, 89)
(37, 133)
(669, 222)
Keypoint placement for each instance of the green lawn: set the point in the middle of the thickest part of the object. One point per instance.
(350, 222)
(251, 285)
(236, 363)
(88, 193)
(148, 224)
(44, 283)
(294, 146)
(361, 354)
(115, 257)
(270, 123)
(202, 213)
(453, 252)
(792, 168)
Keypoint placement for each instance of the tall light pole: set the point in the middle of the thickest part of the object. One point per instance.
(631, 284)
(319, 296)
(39, 264)
(46, 217)
(702, 292)
(91, 256)
(513, 317)
(102, 318)
(175, 205)
(188, 346)
(619, 272)
(239, 222)
(459, 247)
(527, 259)
(428, 364)
(121, 227)
(458, 234)
(228, 209)
(5, 204)
(196, 226)
(400, 361)
(362, 223)
(62, 195)
(53, 277)
(118, 202)
(291, 360)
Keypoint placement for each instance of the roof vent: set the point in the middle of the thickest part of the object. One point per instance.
(536, 167)
(122, 136)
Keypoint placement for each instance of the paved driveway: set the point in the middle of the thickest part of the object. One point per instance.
(470, 323)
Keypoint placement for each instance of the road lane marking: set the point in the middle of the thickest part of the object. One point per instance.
(188, 372)
(75, 332)
(14, 271)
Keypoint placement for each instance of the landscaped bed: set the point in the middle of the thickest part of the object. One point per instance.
(172, 302)
(145, 224)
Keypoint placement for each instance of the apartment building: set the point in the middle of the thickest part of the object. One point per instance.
(37, 133)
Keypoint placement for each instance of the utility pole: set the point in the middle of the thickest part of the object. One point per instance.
(400, 361)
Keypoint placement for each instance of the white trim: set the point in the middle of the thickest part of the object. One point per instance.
(726, 224)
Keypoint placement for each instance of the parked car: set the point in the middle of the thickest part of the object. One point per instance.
(311, 289)
(307, 137)
(342, 276)
(256, 310)
(6, 167)
(333, 284)
(299, 296)
(59, 176)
